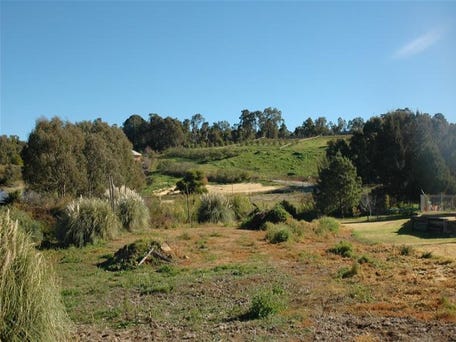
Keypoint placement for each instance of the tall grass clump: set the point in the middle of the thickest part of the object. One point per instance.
(30, 226)
(327, 225)
(31, 308)
(343, 248)
(215, 208)
(241, 206)
(87, 220)
(277, 233)
(130, 208)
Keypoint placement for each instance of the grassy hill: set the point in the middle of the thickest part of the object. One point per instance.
(263, 160)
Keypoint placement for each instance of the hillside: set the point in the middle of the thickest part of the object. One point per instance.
(261, 160)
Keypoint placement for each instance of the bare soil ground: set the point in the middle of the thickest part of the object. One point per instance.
(238, 188)
(392, 297)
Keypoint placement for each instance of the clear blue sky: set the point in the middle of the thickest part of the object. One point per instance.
(110, 59)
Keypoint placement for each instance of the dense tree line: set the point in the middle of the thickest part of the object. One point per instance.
(10, 159)
(160, 133)
(407, 153)
(78, 159)
(10, 150)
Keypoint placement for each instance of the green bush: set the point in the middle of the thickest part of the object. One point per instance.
(229, 176)
(31, 308)
(327, 224)
(129, 256)
(241, 206)
(277, 214)
(277, 233)
(257, 219)
(87, 220)
(31, 227)
(290, 208)
(215, 208)
(343, 248)
(267, 302)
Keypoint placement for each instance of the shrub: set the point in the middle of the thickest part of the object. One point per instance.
(87, 220)
(406, 250)
(229, 176)
(277, 233)
(343, 248)
(327, 224)
(215, 208)
(257, 219)
(31, 308)
(241, 206)
(290, 208)
(277, 214)
(129, 256)
(266, 303)
(426, 255)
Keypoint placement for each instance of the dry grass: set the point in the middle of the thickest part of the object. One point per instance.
(30, 303)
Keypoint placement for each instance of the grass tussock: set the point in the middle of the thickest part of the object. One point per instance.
(88, 220)
(277, 233)
(30, 304)
(326, 225)
(130, 208)
(215, 208)
(343, 248)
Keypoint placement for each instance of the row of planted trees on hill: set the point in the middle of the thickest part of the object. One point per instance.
(78, 159)
(405, 153)
(160, 133)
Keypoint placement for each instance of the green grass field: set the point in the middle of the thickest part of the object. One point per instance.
(260, 160)
(397, 232)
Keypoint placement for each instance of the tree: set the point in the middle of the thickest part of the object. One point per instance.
(135, 128)
(78, 159)
(338, 187)
(54, 161)
(247, 125)
(193, 182)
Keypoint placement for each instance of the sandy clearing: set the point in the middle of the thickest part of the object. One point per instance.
(241, 188)
(238, 188)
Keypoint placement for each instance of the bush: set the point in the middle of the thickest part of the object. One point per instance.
(290, 208)
(215, 208)
(266, 303)
(257, 219)
(277, 214)
(229, 176)
(406, 250)
(129, 256)
(241, 206)
(31, 308)
(87, 220)
(343, 248)
(327, 224)
(130, 208)
(277, 233)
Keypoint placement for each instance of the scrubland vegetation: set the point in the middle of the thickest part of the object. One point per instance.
(153, 255)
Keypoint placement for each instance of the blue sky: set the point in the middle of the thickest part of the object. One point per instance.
(110, 59)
